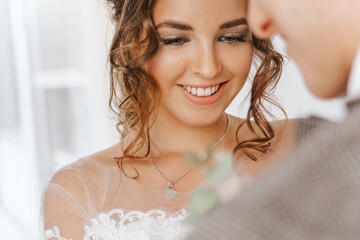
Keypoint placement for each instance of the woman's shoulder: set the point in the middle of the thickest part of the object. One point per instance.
(282, 144)
(88, 165)
(283, 128)
(284, 141)
(76, 193)
(285, 131)
(86, 175)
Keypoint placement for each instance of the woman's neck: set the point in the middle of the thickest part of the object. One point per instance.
(169, 135)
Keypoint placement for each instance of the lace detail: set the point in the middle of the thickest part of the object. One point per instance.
(54, 233)
(153, 224)
(120, 225)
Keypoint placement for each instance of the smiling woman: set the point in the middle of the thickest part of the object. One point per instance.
(174, 69)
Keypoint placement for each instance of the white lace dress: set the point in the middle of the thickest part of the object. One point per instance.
(92, 200)
(133, 225)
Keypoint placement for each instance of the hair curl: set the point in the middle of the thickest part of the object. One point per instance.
(134, 94)
(263, 85)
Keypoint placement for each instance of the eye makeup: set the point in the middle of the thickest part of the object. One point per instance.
(175, 41)
(234, 31)
(236, 36)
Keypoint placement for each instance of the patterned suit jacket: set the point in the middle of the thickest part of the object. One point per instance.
(313, 195)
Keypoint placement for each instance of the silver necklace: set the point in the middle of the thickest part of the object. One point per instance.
(170, 191)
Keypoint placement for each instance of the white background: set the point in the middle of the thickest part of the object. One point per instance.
(53, 101)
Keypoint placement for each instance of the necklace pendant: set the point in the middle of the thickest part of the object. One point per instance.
(170, 192)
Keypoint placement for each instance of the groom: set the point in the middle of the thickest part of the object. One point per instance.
(315, 194)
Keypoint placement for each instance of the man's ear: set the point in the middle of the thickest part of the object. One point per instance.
(260, 22)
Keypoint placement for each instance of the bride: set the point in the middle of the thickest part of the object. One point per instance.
(175, 66)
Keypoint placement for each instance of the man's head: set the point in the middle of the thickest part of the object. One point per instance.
(322, 36)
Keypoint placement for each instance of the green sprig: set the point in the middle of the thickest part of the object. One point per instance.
(205, 198)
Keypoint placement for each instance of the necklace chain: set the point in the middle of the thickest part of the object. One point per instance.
(171, 183)
(224, 135)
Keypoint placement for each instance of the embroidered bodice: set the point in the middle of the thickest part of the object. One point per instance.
(133, 225)
(93, 200)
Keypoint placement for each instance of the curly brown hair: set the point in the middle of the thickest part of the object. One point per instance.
(134, 43)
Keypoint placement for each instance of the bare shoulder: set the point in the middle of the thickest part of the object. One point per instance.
(285, 133)
(284, 141)
(284, 129)
(282, 145)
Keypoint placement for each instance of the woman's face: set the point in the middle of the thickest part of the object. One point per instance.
(204, 57)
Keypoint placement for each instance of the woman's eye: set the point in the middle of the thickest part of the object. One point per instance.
(173, 41)
(232, 39)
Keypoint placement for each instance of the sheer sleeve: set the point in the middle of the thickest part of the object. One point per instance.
(65, 206)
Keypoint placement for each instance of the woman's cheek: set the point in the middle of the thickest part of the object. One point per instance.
(167, 65)
(239, 61)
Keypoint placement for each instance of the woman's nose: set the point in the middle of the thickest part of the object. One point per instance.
(206, 63)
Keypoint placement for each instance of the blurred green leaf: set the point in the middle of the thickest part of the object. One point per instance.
(198, 160)
(206, 155)
(221, 169)
(202, 200)
(205, 198)
(192, 159)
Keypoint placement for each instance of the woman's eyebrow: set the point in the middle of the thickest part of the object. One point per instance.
(234, 23)
(174, 24)
(183, 26)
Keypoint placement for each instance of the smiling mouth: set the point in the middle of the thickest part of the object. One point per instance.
(203, 92)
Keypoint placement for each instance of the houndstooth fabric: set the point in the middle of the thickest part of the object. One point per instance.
(313, 195)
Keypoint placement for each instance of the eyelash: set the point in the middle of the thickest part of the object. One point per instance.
(233, 39)
(181, 40)
(174, 41)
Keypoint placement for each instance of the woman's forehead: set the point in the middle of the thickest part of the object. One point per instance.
(196, 11)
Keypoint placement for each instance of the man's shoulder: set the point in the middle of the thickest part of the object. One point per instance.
(329, 146)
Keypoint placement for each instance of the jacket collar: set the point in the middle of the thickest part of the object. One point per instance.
(353, 87)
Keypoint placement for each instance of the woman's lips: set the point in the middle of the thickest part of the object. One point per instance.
(202, 99)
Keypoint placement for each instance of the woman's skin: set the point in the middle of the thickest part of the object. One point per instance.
(203, 43)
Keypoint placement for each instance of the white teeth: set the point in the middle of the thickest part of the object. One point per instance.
(201, 92)
(207, 91)
(193, 91)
